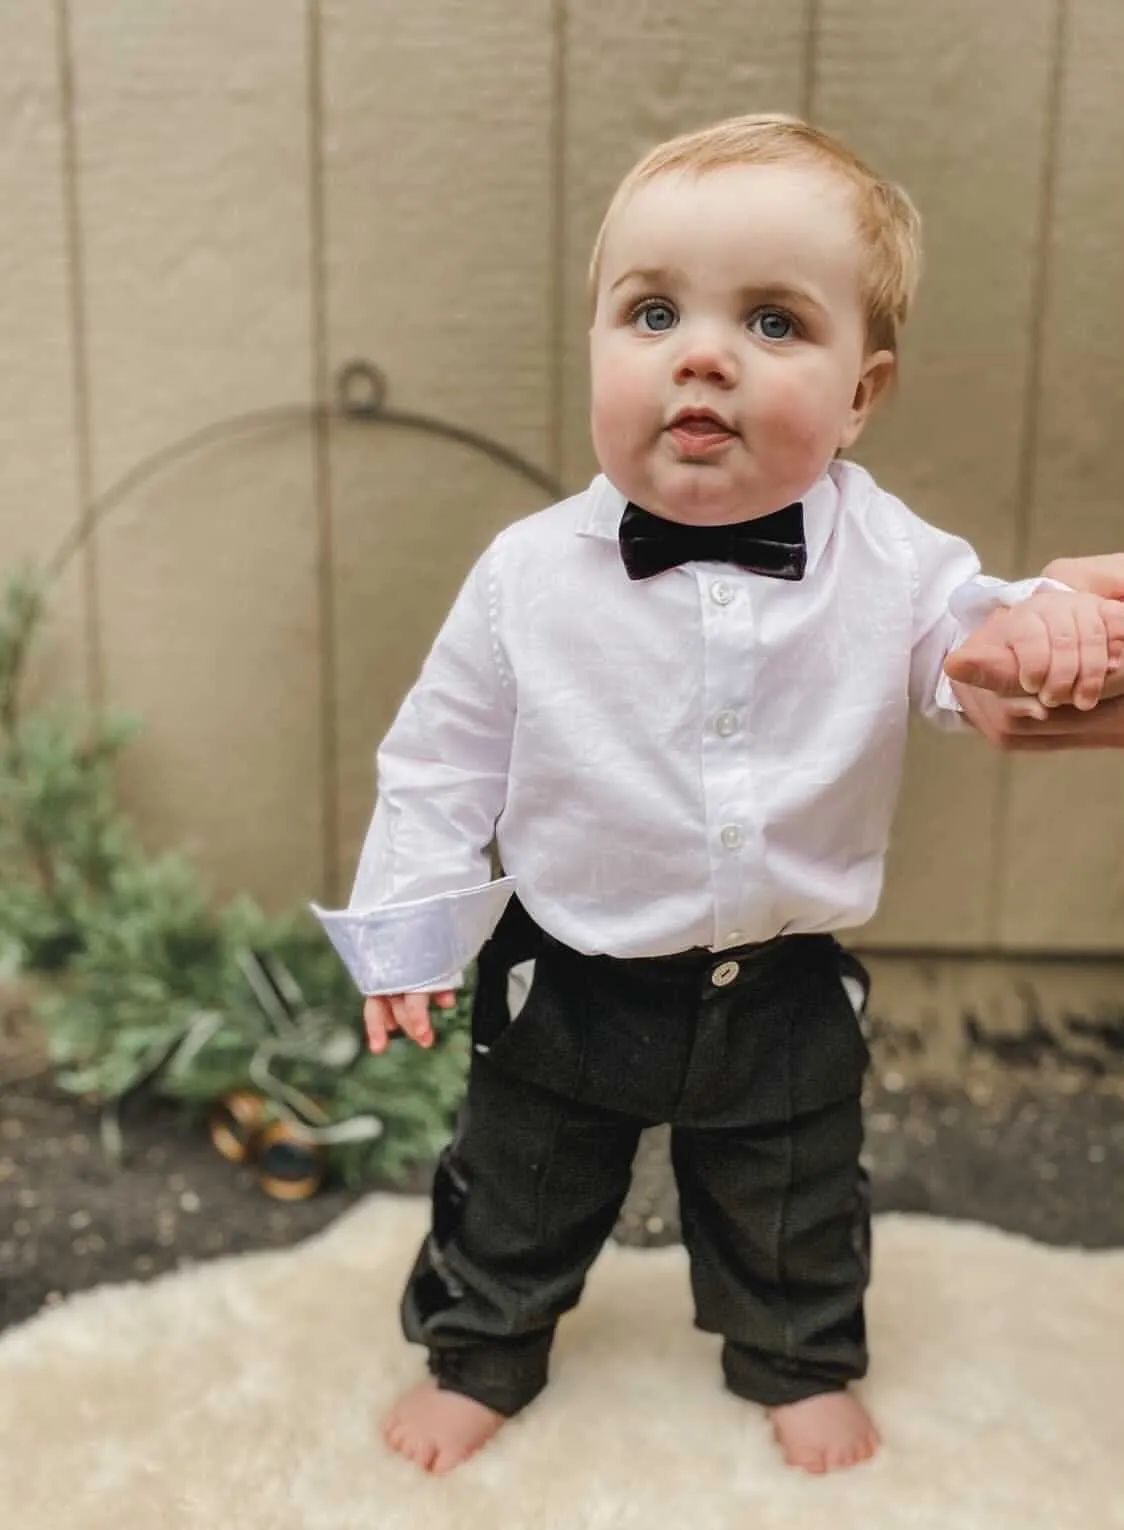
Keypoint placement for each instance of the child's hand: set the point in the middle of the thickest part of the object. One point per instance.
(1059, 646)
(384, 1014)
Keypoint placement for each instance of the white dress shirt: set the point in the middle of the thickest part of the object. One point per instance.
(702, 758)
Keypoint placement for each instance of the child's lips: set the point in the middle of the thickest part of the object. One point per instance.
(696, 434)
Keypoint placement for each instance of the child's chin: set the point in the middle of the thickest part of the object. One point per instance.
(700, 491)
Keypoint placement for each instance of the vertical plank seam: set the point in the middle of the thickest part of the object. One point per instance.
(809, 81)
(1040, 278)
(79, 350)
(322, 467)
(557, 254)
(1028, 451)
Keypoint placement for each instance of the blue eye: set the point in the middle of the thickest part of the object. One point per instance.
(656, 318)
(772, 324)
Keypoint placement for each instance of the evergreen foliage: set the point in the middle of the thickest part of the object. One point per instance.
(141, 982)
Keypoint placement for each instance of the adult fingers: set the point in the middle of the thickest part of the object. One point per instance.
(1102, 575)
(1065, 728)
(988, 665)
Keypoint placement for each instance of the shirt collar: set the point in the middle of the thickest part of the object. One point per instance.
(605, 505)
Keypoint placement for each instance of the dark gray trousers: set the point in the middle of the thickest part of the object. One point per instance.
(756, 1058)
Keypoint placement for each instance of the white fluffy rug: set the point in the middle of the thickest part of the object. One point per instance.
(243, 1394)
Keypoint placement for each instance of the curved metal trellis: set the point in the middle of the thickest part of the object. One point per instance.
(361, 394)
(360, 398)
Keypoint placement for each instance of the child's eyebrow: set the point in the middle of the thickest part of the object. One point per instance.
(650, 278)
(782, 292)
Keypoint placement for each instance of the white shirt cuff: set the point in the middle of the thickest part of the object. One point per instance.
(972, 602)
(420, 945)
(949, 714)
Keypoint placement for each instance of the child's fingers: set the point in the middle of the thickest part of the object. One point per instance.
(386, 1014)
(378, 1021)
(1035, 652)
(1113, 613)
(1063, 641)
(411, 1015)
(1092, 644)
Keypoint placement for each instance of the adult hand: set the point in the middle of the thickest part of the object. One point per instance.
(1005, 722)
(1102, 575)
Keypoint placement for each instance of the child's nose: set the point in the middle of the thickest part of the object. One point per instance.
(704, 358)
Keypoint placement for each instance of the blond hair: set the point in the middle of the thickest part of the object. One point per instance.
(888, 222)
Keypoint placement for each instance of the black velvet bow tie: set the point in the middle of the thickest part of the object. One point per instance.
(772, 545)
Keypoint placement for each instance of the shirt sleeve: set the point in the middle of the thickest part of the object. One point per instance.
(951, 599)
(423, 903)
(942, 564)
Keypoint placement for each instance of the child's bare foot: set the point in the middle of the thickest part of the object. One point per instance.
(438, 1430)
(825, 1433)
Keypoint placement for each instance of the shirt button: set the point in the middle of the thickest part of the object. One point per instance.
(725, 724)
(731, 837)
(721, 593)
(724, 973)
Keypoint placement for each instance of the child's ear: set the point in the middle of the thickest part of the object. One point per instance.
(877, 375)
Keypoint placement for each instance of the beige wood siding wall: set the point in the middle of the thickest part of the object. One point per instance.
(208, 208)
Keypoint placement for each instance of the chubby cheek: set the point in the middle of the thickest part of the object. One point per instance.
(622, 413)
(797, 428)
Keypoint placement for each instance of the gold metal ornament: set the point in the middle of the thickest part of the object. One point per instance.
(235, 1123)
(289, 1166)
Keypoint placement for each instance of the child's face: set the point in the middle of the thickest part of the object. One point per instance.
(728, 349)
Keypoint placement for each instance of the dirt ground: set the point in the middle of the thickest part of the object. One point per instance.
(1038, 1151)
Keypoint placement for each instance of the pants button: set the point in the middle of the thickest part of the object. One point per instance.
(724, 973)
